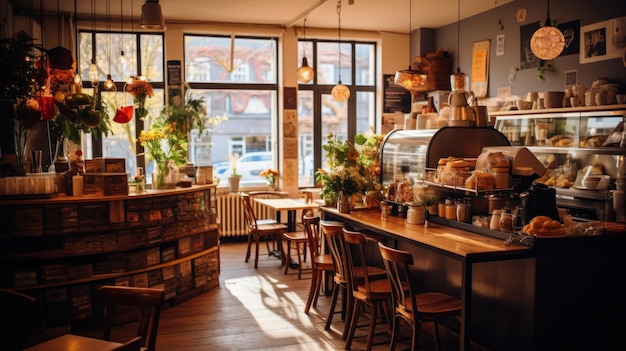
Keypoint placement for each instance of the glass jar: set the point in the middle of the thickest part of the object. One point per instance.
(494, 223)
(450, 209)
(463, 212)
(415, 214)
(507, 222)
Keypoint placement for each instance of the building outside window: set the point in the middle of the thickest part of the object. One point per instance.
(238, 78)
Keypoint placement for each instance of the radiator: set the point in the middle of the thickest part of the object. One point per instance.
(230, 214)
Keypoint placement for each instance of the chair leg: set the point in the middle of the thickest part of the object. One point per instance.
(353, 323)
(299, 261)
(372, 330)
(437, 340)
(249, 245)
(395, 329)
(416, 335)
(347, 305)
(288, 254)
(256, 253)
(315, 282)
(333, 303)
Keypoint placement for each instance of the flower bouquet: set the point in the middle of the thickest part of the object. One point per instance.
(163, 149)
(271, 175)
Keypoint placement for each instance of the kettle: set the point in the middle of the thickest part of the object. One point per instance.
(459, 98)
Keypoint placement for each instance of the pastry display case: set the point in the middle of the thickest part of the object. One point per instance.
(582, 149)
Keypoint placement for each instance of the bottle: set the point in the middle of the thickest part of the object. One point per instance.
(430, 106)
(494, 223)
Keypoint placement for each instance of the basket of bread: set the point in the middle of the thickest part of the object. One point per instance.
(544, 226)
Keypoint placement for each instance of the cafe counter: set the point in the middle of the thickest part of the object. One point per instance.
(514, 297)
(60, 250)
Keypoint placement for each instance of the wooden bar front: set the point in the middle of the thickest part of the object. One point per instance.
(561, 296)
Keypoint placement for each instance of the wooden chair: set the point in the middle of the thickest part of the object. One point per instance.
(366, 290)
(320, 263)
(17, 309)
(300, 240)
(414, 308)
(148, 302)
(258, 231)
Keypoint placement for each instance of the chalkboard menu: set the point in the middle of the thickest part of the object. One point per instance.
(174, 72)
(396, 98)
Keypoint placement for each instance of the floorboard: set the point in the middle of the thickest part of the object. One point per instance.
(259, 309)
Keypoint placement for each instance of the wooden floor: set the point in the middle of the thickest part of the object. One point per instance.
(259, 309)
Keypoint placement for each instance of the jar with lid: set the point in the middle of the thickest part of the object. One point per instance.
(494, 223)
(501, 177)
(450, 209)
(416, 213)
(507, 222)
(463, 212)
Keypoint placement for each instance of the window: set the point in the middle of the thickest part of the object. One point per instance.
(146, 59)
(318, 113)
(243, 88)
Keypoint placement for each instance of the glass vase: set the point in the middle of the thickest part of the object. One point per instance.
(159, 180)
(343, 204)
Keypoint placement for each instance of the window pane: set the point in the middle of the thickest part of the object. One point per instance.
(247, 131)
(365, 64)
(328, 63)
(365, 111)
(152, 66)
(334, 120)
(306, 169)
(230, 60)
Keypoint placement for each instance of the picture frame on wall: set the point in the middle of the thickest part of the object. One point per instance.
(594, 42)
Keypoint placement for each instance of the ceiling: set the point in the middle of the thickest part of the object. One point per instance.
(372, 15)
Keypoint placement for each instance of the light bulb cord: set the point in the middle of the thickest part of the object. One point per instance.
(458, 37)
(548, 20)
(339, 34)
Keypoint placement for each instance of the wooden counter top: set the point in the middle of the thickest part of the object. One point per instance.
(95, 198)
(450, 240)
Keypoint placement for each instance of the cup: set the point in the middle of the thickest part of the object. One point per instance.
(574, 101)
(621, 98)
(532, 96)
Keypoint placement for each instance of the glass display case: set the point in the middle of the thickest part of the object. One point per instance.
(408, 153)
(576, 145)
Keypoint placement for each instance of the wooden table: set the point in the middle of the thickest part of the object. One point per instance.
(289, 205)
(71, 342)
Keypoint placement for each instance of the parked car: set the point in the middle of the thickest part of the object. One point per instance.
(249, 165)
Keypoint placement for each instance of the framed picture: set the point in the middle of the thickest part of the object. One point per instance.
(594, 40)
(480, 67)
(571, 78)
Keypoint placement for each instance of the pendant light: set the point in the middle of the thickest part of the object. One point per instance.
(547, 42)
(152, 16)
(410, 79)
(93, 68)
(458, 80)
(305, 72)
(340, 92)
(108, 83)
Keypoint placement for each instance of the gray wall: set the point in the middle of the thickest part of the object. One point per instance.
(486, 26)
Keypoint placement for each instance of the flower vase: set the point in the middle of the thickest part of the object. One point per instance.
(159, 177)
(20, 136)
(343, 204)
(233, 184)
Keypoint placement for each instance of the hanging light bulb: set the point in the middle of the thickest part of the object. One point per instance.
(410, 79)
(458, 80)
(547, 42)
(93, 73)
(305, 72)
(109, 84)
(340, 92)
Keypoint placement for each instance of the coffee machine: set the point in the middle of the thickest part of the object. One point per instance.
(461, 114)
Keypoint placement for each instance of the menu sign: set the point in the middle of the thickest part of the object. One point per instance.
(174, 72)
(396, 98)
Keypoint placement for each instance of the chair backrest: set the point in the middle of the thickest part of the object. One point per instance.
(16, 310)
(269, 194)
(248, 212)
(333, 232)
(312, 229)
(355, 252)
(397, 264)
(148, 302)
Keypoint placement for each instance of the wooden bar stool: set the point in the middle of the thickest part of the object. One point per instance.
(320, 262)
(366, 290)
(414, 308)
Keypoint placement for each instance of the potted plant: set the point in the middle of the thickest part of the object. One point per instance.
(233, 180)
